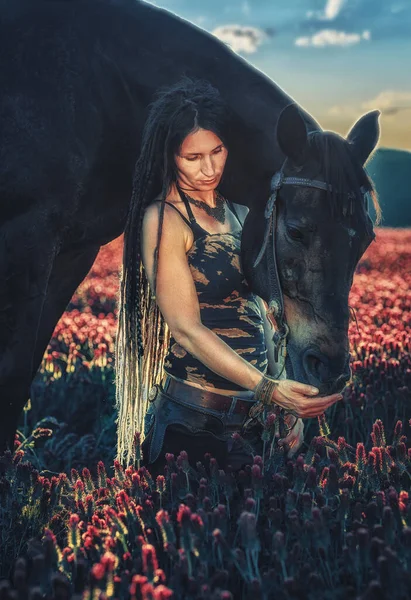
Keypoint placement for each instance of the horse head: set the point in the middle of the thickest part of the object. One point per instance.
(300, 246)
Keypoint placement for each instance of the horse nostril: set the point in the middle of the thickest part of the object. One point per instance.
(331, 375)
(313, 365)
(316, 366)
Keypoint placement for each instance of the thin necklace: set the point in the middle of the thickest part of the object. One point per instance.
(217, 211)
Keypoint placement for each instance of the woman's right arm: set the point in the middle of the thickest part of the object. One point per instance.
(177, 300)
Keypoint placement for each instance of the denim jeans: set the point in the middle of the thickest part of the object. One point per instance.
(198, 431)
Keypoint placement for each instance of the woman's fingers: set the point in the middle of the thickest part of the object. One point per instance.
(303, 388)
(294, 439)
(322, 400)
(303, 406)
(293, 434)
(306, 389)
(318, 409)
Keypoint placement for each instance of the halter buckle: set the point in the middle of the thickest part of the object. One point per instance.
(276, 183)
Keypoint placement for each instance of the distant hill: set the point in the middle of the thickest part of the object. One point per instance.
(390, 171)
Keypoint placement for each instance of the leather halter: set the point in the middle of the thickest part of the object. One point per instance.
(276, 301)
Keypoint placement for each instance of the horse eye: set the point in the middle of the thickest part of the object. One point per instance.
(295, 233)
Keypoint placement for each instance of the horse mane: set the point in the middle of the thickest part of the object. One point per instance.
(343, 172)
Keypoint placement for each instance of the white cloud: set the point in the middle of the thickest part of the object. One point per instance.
(344, 110)
(241, 38)
(332, 37)
(331, 10)
(389, 102)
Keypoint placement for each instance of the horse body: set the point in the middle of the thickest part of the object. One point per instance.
(77, 78)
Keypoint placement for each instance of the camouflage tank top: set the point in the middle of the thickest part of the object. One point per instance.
(227, 305)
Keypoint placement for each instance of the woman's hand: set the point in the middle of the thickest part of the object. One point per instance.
(293, 441)
(300, 399)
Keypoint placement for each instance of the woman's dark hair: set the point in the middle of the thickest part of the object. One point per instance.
(142, 334)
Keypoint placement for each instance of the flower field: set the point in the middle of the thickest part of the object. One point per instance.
(333, 523)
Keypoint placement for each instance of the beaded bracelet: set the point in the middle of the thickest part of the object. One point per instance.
(263, 392)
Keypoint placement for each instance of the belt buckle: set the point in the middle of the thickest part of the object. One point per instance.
(152, 395)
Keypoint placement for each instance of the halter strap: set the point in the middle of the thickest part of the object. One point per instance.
(278, 180)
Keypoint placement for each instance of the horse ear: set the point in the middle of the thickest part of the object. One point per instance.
(292, 133)
(364, 135)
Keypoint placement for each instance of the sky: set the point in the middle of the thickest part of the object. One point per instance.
(338, 59)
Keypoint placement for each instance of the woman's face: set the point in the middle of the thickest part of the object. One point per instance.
(200, 163)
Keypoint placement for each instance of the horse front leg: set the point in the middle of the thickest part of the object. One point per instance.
(70, 268)
(27, 254)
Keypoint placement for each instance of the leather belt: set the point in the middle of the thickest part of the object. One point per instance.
(232, 405)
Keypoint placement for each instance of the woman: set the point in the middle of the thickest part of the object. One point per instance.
(191, 332)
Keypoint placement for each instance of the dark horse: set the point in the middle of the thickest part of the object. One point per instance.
(77, 77)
